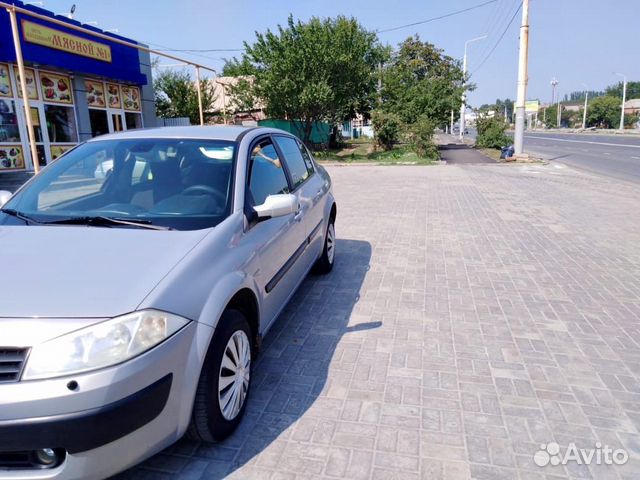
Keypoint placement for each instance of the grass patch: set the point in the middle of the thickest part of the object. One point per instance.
(491, 153)
(362, 150)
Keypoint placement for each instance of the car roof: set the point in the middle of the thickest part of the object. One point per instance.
(210, 132)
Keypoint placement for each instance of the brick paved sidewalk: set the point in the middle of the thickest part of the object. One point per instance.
(474, 314)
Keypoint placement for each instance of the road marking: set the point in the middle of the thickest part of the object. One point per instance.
(607, 153)
(585, 141)
(637, 158)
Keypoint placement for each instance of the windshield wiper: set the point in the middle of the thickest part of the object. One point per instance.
(106, 222)
(20, 215)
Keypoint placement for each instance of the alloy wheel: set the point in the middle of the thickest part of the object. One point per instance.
(234, 375)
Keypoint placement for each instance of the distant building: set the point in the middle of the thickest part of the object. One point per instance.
(224, 103)
(632, 106)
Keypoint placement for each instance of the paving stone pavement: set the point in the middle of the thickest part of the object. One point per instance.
(475, 313)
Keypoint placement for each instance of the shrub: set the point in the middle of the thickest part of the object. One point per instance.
(386, 127)
(421, 134)
(491, 132)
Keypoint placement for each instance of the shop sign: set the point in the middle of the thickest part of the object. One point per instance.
(48, 37)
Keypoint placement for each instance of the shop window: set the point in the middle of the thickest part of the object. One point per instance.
(55, 88)
(99, 122)
(37, 124)
(9, 131)
(11, 156)
(61, 124)
(133, 120)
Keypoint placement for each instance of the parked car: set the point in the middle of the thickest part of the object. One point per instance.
(135, 302)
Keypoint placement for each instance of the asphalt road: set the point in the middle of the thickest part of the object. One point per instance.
(613, 155)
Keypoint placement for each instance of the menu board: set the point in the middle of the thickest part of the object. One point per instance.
(131, 98)
(5, 81)
(114, 99)
(11, 157)
(95, 93)
(30, 79)
(57, 150)
(55, 88)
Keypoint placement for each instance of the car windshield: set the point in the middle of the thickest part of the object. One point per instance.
(179, 184)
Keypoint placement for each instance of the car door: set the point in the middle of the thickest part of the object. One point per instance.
(310, 189)
(280, 241)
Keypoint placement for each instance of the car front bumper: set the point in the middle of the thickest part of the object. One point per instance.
(115, 418)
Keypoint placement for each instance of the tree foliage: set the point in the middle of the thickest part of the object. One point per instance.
(176, 95)
(421, 137)
(604, 112)
(387, 128)
(420, 80)
(321, 70)
(633, 90)
(491, 132)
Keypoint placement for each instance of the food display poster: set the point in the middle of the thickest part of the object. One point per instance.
(55, 88)
(113, 96)
(5, 81)
(11, 157)
(131, 98)
(95, 93)
(57, 150)
(30, 79)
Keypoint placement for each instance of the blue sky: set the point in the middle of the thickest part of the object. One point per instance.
(576, 41)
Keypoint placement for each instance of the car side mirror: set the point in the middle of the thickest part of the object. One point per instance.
(4, 197)
(277, 206)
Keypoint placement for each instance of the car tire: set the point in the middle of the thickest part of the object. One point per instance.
(325, 263)
(212, 418)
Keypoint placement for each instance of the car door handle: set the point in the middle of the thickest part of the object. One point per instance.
(298, 216)
(318, 194)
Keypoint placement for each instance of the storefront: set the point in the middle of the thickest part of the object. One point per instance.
(78, 87)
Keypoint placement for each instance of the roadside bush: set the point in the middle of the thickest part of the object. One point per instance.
(491, 133)
(421, 135)
(386, 127)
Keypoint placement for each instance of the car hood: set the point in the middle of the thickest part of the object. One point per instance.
(84, 272)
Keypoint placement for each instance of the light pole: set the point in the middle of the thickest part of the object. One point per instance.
(586, 99)
(464, 73)
(554, 83)
(523, 58)
(624, 99)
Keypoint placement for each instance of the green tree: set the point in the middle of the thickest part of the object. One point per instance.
(176, 95)
(321, 70)
(604, 112)
(491, 132)
(387, 128)
(420, 80)
(633, 90)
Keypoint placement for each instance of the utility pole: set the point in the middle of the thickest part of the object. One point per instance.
(522, 79)
(624, 99)
(451, 127)
(559, 113)
(464, 72)
(584, 113)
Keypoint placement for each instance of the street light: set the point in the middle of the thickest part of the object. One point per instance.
(624, 98)
(464, 72)
(584, 114)
(554, 83)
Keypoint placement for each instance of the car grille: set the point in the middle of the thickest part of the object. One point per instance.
(11, 363)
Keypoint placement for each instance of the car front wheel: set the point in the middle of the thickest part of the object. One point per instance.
(224, 382)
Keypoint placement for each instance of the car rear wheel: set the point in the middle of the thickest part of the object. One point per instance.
(326, 260)
(224, 382)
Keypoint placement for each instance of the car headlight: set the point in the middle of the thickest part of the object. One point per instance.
(102, 345)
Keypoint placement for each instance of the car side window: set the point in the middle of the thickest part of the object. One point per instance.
(266, 175)
(299, 167)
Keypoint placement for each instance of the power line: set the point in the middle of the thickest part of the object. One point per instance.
(436, 18)
(204, 50)
(499, 40)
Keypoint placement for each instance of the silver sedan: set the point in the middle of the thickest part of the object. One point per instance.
(143, 270)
